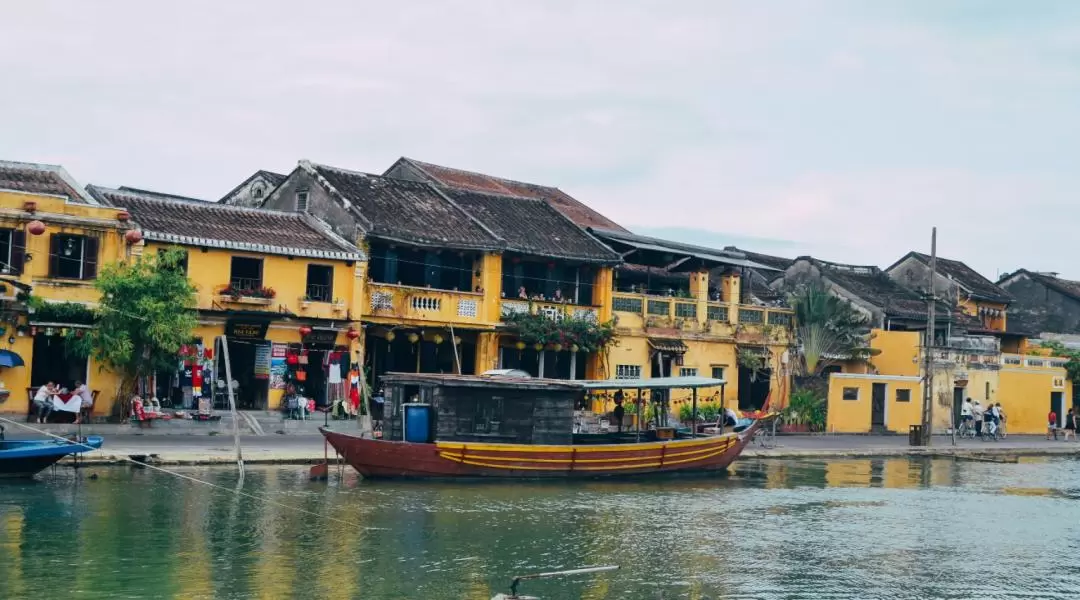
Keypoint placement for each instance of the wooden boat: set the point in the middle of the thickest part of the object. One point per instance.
(26, 458)
(534, 437)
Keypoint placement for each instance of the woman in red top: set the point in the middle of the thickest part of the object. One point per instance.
(1051, 426)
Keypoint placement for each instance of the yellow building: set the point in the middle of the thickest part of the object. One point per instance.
(864, 403)
(448, 264)
(681, 312)
(53, 239)
(275, 283)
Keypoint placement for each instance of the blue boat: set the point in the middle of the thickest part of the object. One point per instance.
(25, 458)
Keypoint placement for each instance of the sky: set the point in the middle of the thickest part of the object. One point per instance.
(840, 129)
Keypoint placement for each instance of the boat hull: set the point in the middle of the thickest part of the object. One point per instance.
(26, 458)
(385, 459)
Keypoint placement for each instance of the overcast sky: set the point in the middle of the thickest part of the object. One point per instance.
(834, 128)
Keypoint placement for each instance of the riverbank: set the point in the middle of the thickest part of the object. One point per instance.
(309, 449)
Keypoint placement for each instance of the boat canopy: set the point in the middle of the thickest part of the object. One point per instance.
(655, 383)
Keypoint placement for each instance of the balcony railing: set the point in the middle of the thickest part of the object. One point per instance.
(424, 304)
(641, 310)
(552, 310)
(1033, 362)
(317, 292)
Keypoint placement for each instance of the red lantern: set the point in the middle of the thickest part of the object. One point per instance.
(304, 330)
(123, 216)
(133, 236)
(30, 206)
(352, 333)
(35, 227)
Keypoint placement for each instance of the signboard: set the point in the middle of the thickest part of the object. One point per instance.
(262, 361)
(246, 330)
(321, 337)
(277, 366)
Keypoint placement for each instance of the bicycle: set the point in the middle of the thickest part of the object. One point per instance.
(966, 429)
(991, 431)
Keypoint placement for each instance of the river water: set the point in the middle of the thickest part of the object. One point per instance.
(773, 529)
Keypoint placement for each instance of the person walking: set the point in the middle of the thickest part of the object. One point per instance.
(977, 415)
(1051, 424)
(1070, 425)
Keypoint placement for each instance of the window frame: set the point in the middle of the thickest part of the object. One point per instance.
(688, 371)
(723, 371)
(906, 391)
(844, 394)
(329, 297)
(303, 196)
(262, 271)
(88, 249)
(627, 371)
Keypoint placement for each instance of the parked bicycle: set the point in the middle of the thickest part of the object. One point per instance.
(966, 429)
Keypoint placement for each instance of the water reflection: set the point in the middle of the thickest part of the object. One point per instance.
(773, 529)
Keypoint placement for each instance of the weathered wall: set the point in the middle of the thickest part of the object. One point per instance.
(854, 416)
(1045, 308)
(320, 203)
(899, 352)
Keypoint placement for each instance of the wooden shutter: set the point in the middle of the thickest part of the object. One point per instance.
(54, 254)
(18, 251)
(90, 258)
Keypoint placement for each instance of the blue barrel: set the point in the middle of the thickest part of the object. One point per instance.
(418, 423)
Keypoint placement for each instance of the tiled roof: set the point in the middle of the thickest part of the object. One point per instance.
(1065, 287)
(574, 210)
(35, 178)
(198, 223)
(405, 211)
(776, 262)
(875, 287)
(275, 180)
(532, 226)
(968, 278)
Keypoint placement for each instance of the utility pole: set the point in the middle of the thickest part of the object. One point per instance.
(928, 346)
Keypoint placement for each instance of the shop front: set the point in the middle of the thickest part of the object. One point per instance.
(415, 350)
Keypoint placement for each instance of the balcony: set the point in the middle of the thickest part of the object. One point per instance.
(243, 290)
(642, 311)
(423, 304)
(1018, 361)
(552, 310)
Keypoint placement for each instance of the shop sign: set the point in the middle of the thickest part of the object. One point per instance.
(278, 366)
(247, 330)
(322, 337)
(262, 361)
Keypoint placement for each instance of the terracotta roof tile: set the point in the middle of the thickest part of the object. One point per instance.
(531, 226)
(968, 278)
(574, 210)
(408, 211)
(168, 218)
(36, 178)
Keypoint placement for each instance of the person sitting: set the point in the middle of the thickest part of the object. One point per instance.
(730, 417)
(87, 405)
(43, 401)
(619, 411)
(522, 294)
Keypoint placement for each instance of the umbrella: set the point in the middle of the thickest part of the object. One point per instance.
(10, 359)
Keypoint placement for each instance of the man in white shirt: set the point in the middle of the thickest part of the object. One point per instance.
(87, 405)
(977, 414)
(965, 412)
(43, 401)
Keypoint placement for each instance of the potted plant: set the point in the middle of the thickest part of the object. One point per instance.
(804, 413)
(305, 301)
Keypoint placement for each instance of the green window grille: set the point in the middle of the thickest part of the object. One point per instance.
(717, 313)
(751, 316)
(659, 307)
(783, 319)
(630, 305)
(685, 310)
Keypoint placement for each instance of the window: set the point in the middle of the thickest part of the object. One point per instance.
(688, 372)
(12, 251)
(685, 310)
(302, 201)
(851, 393)
(246, 274)
(902, 395)
(987, 390)
(320, 283)
(718, 372)
(73, 256)
(627, 372)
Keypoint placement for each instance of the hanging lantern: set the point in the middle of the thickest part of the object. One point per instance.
(33, 331)
(438, 339)
(35, 227)
(352, 333)
(538, 346)
(30, 206)
(304, 331)
(133, 237)
(520, 345)
(413, 338)
(574, 348)
(457, 340)
(123, 216)
(390, 335)
(49, 331)
(557, 347)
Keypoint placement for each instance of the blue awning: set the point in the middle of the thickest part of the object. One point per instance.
(10, 359)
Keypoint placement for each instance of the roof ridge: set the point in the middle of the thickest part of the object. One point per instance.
(57, 170)
(496, 194)
(421, 163)
(312, 169)
(468, 214)
(169, 198)
(237, 187)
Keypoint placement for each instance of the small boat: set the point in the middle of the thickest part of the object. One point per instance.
(500, 427)
(26, 458)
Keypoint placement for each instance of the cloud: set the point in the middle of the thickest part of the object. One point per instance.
(846, 128)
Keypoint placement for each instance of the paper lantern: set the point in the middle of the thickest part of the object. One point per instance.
(438, 339)
(520, 345)
(457, 340)
(574, 348)
(390, 335)
(557, 347)
(538, 346)
(352, 333)
(123, 216)
(35, 227)
(30, 206)
(133, 236)
(413, 338)
(304, 330)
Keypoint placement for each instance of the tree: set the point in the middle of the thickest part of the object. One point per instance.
(1057, 349)
(826, 326)
(146, 312)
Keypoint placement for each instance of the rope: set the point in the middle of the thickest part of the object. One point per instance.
(188, 477)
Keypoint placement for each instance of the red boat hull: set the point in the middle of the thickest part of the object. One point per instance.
(384, 459)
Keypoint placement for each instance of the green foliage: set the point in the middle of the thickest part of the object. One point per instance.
(826, 326)
(806, 408)
(589, 336)
(59, 312)
(1057, 349)
(147, 312)
(707, 411)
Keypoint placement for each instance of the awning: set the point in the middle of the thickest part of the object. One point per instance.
(668, 345)
(667, 251)
(10, 359)
(655, 383)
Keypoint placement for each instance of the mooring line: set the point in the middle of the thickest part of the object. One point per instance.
(187, 477)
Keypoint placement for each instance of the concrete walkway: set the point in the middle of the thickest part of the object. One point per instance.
(308, 449)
